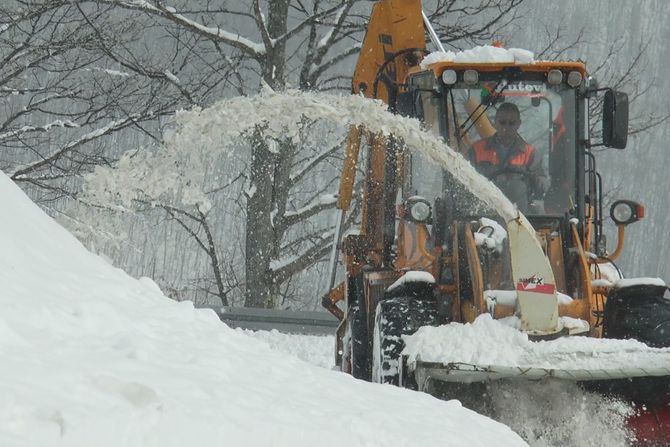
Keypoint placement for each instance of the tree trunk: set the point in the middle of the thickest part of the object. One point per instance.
(261, 240)
(266, 206)
(260, 232)
(214, 260)
(275, 61)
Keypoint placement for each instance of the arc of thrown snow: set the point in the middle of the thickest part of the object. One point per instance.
(280, 115)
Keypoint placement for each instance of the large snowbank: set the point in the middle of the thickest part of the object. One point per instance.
(92, 357)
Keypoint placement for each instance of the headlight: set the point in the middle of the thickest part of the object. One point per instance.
(419, 209)
(449, 77)
(555, 77)
(624, 212)
(574, 78)
(470, 77)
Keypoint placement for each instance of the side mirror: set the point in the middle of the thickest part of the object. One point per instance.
(615, 119)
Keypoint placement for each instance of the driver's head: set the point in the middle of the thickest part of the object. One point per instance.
(508, 120)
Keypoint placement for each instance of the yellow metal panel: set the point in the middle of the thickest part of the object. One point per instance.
(476, 276)
(349, 169)
(484, 127)
(395, 25)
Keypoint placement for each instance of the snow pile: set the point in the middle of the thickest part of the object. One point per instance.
(314, 349)
(490, 342)
(412, 276)
(484, 342)
(92, 357)
(485, 54)
(631, 282)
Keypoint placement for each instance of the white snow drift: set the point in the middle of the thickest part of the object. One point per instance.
(92, 357)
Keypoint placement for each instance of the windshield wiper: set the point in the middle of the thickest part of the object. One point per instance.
(495, 94)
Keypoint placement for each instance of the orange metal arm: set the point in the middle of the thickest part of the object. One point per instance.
(621, 229)
(349, 169)
(395, 26)
(330, 300)
(587, 289)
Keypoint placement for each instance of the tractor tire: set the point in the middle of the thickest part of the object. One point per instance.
(355, 340)
(356, 344)
(640, 312)
(394, 318)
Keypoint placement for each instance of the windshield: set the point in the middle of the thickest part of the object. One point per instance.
(520, 135)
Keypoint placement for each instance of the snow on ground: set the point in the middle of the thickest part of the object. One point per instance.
(317, 350)
(489, 342)
(93, 357)
(545, 413)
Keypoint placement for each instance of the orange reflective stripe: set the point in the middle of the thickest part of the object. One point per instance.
(559, 128)
(522, 158)
(483, 153)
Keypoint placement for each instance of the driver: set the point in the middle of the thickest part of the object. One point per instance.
(511, 163)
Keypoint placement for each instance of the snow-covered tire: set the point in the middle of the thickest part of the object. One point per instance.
(394, 318)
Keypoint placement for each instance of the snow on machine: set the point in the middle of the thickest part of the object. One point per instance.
(439, 245)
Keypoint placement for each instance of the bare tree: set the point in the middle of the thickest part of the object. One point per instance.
(62, 96)
(292, 43)
(77, 78)
(461, 23)
(121, 65)
(196, 224)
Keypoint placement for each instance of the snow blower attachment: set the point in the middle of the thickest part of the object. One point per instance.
(441, 248)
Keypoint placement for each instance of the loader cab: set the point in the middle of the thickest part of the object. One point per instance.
(459, 102)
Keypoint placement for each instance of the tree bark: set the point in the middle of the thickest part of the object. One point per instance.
(275, 62)
(259, 232)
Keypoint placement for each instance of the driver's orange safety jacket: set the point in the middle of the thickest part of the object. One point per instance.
(518, 173)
